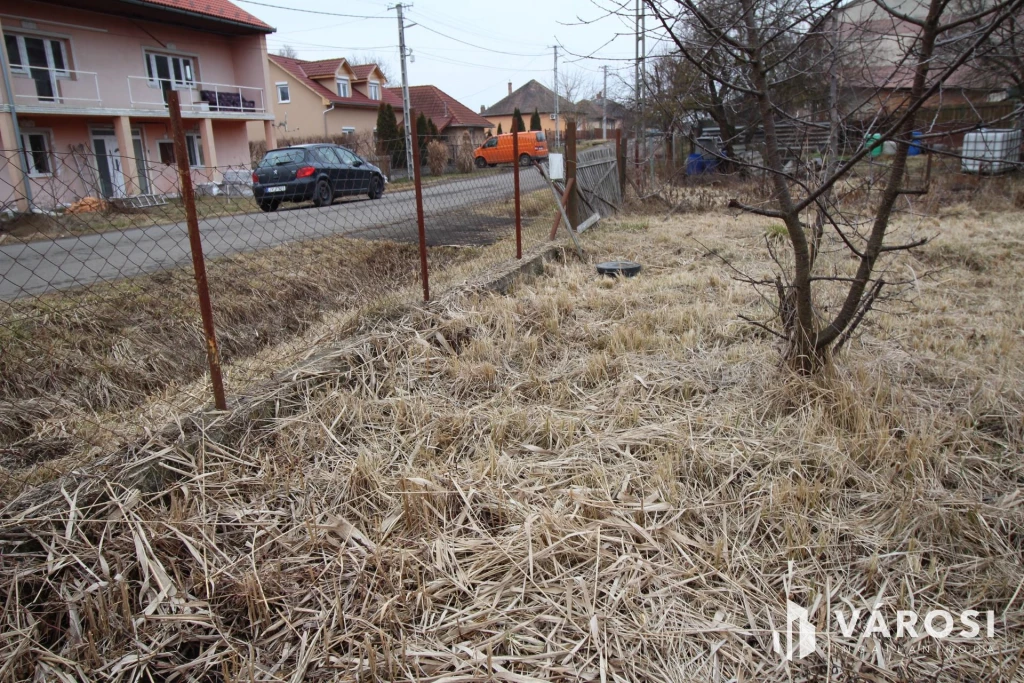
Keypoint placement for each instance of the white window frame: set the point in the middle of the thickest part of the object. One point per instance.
(374, 90)
(184, 84)
(48, 41)
(348, 130)
(159, 156)
(342, 80)
(47, 135)
(287, 89)
(193, 144)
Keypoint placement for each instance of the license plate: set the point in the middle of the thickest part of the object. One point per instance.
(278, 188)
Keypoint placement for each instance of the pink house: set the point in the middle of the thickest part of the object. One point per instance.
(90, 76)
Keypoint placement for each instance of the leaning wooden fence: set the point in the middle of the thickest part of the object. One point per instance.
(598, 181)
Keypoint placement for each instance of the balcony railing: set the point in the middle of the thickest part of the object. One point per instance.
(69, 89)
(196, 96)
(51, 88)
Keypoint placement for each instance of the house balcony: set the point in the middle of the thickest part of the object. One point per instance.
(199, 98)
(47, 91)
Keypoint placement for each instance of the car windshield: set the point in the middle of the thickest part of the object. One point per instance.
(281, 157)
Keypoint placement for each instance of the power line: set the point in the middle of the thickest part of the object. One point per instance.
(320, 47)
(436, 18)
(457, 62)
(313, 11)
(479, 47)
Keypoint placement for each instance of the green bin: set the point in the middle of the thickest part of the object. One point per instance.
(874, 143)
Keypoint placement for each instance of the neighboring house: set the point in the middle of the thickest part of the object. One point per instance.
(877, 70)
(323, 98)
(93, 76)
(592, 113)
(452, 118)
(529, 98)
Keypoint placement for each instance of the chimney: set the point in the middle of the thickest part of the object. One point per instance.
(598, 94)
(510, 87)
(482, 107)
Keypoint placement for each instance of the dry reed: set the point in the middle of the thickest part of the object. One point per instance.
(589, 479)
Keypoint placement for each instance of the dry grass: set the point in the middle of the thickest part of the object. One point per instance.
(110, 347)
(84, 372)
(590, 480)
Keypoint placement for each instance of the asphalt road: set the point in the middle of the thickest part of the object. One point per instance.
(35, 268)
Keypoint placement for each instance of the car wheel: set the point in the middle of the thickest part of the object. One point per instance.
(376, 188)
(322, 195)
(270, 205)
(525, 160)
(481, 162)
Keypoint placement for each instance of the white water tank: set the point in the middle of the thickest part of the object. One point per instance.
(991, 150)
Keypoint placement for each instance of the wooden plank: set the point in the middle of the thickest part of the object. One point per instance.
(558, 214)
(558, 202)
(588, 223)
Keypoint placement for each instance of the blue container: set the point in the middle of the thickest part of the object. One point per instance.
(915, 146)
(694, 164)
(698, 164)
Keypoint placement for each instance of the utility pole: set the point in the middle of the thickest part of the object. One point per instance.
(556, 97)
(406, 109)
(604, 106)
(641, 12)
(638, 90)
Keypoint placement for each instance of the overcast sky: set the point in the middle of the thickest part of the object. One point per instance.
(476, 73)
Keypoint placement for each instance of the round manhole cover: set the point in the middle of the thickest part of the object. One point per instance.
(616, 268)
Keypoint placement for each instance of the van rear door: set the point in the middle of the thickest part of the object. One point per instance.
(540, 145)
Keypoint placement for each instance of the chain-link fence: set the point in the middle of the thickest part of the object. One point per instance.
(100, 327)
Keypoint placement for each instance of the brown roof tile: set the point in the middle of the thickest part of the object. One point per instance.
(363, 71)
(529, 97)
(440, 107)
(219, 9)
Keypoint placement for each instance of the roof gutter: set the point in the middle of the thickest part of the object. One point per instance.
(199, 15)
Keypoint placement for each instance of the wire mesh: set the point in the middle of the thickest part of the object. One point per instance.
(100, 332)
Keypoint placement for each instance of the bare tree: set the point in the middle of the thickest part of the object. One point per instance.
(763, 50)
(999, 59)
(573, 85)
(288, 51)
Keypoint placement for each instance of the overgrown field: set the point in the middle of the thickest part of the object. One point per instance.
(84, 371)
(70, 358)
(587, 479)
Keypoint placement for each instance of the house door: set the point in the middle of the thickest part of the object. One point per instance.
(108, 164)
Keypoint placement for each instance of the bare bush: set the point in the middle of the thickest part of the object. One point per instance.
(437, 157)
(464, 154)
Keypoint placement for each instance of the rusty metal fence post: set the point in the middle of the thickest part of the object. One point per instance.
(573, 207)
(188, 199)
(418, 188)
(620, 159)
(516, 165)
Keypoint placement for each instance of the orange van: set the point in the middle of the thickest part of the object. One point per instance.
(498, 149)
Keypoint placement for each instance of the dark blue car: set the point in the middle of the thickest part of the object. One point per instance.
(313, 172)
